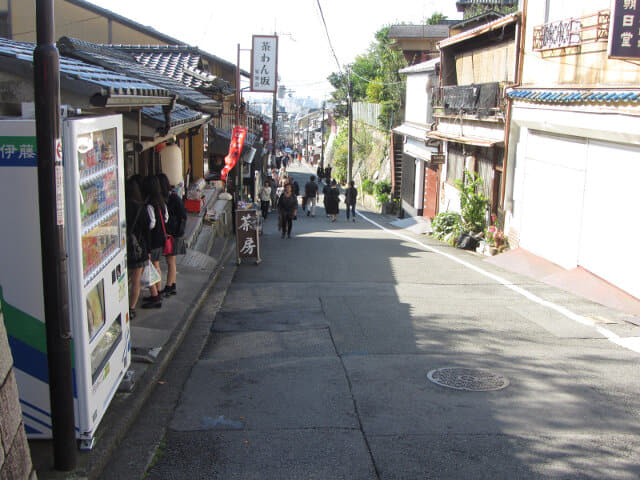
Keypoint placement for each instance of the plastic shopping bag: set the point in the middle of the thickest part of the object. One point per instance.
(150, 275)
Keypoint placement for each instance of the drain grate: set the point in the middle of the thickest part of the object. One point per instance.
(471, 379)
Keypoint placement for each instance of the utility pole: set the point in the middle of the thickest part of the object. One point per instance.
(308, 149)
(46, 78)
(350, 111)
(274, 129)
(238, 100)
(322, 130)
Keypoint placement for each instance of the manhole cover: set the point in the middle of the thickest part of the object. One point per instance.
(472, 379)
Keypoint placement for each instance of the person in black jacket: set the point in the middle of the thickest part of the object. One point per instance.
(333, 201)
(311, 194)
(350, 198)
(158, 216)
(137, 233)
(288, 210)
(174, 227)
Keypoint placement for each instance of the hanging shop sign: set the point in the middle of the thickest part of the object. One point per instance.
(264, 63)
(235, 147)
(624, 36)
(437, 158)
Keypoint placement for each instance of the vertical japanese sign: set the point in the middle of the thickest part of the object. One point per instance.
(264, 63)
(624, 36)
(235, 147)
(247, 235)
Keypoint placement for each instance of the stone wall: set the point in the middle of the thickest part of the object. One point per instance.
(15, 457)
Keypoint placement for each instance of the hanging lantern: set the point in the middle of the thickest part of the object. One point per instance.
(171, 161)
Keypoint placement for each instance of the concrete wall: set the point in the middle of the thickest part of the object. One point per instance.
(588, 66)
(417, 108)
(15, 457)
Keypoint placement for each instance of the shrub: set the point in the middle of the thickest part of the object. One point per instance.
(367, 187)
(382, 187)
(446, 225)
(472, 203)
(382, 198)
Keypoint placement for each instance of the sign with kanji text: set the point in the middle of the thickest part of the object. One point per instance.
(247, 234)
(18, 152)
(624, 34)
(264, 63)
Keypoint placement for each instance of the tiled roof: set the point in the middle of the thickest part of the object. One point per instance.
(418, 31)
(427, 66)
(180, 115)
(179, 62)
(96, 80)
(576, 96)
(125, 63)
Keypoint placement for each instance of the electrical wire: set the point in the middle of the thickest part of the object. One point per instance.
(328, 37)
(373, 81)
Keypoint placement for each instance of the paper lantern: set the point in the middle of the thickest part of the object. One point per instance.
(171, 161)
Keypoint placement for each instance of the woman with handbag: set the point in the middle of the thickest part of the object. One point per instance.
(158, 216)
(174, 227)
(137, 235)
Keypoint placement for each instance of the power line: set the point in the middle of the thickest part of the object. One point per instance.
(328, 37)
(373, 81)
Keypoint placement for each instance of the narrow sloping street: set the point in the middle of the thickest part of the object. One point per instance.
(317, 368)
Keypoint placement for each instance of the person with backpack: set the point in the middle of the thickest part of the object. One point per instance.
(311, 196)
(175, 227)
(158, 216)
(350, 198)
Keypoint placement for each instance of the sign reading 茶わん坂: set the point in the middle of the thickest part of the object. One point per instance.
(624, 35)
(264, 63)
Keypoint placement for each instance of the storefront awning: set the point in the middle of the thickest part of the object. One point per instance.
(411, 130)
(477, 141)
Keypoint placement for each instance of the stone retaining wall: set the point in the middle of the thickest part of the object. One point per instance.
(15, 456)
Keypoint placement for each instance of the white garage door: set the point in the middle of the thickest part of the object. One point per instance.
(578, 205)
(611, 223)
(552, 196)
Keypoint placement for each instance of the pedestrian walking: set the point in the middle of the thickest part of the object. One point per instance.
(287, 210)
(325, 194)
(158, 217)
(175, 227)
(333, 201)
(265, 198)
(311, 195)
(295, 186)
(350, 198)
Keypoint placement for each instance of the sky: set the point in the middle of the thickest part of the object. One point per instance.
(305, 59)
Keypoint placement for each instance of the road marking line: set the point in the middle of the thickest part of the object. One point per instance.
(630, 343)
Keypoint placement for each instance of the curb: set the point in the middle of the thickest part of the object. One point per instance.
(124, 414)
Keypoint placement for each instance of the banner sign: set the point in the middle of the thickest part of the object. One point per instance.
(18, 152)
(247, 235)
(624, 37)
(266, 131)
(264, 63)
(235, 147)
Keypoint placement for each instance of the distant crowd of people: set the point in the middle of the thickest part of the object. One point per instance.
(280, 192)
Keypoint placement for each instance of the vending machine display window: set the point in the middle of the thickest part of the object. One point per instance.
(95, 309)
(104, 349)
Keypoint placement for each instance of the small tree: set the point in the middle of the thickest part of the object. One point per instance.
(473, 204)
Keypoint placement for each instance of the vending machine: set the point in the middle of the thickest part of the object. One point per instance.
(95, 229)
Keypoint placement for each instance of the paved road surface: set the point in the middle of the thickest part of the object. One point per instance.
(316, 368)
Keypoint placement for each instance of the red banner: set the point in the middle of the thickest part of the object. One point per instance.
(235, 147)
(265, 131)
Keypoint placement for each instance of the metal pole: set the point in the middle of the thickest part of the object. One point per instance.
(350, 151)
(46, 76)
(240, 180)
(275, 107)
(322, 133)
(308, 149)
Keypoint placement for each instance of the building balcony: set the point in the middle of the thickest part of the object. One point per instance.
(479, 100)
(572, 32)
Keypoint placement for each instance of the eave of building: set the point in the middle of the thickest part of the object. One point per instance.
(482, 29)
(576, 96)
(465, 139)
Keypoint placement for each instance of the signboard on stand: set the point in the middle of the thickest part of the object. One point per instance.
(247, 235)
(264, 63)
